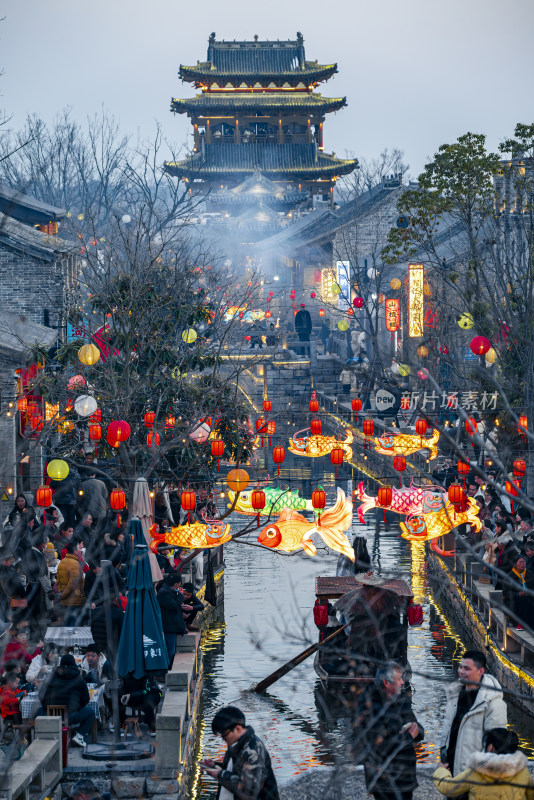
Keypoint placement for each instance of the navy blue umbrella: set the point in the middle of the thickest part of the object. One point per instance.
(142, 643)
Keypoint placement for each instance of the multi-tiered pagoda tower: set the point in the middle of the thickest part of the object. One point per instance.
(258, 114)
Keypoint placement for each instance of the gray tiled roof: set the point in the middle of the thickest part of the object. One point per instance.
(265, 102)
(23, 238)
(27, 209)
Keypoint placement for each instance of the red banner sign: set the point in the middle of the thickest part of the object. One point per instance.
(392, 315)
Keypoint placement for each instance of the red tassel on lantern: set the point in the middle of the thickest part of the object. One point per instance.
(279, 455)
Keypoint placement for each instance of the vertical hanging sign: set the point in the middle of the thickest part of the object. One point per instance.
(392, 315)
(416, 311)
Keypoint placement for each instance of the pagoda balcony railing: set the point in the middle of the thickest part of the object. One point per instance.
(268, 138)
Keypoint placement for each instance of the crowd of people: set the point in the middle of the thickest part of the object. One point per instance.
(67, 565)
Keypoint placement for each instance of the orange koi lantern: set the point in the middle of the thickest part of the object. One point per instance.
(316, 426)
(217, 450)
(152, 439)
(336, 458)
(267, 405)
(368, 430)
(149, 418)
(399, 464)
(279, 455)
(313, 405)
(237, 480)
(257, 500)
(519, 467)
(384, 497)
(319, 501)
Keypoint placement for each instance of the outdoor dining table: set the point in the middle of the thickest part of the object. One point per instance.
(64, 636)
(30, 703)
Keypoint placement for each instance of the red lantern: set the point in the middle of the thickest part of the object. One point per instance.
(149, 418)
(319, 501)
(43, 496)
(521, 428)
(117, 499)
(117, 432)
(316, 426)
(480, 345)
(261, 427)
(321, 312)
(336, 457)
(188, 502)
(471, 427)
(257, 500)
(463, 467)
(170, 422)
(217, 450)
(512, 488)
(519, 467)
(313, 405)
(399, 464)
(267, 313)
(368, 430)
(97, 416)
(358, 302)
(22, 405)
(312, 295)
(95, 433)
(36, 423)
(385, 496)
(523, 422)
(456, 494)
(421, 426)
(356, 407)
(279, 455)
(152, 438)
(267, 405)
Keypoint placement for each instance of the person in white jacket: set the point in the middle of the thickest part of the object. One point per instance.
(474, 705)
(42, 664)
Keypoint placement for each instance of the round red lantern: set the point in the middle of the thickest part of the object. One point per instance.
(149, 418)
(358, 302)
(152, 439)
(316, 426)
(267, 405)
(336, 457)
(43, 496)
(279, 455)
(313, 405)
(312, 295)
(268, 313)
(217, 450)
(421, 426)
(257, 500)
(480, 345)
(321, 312)
(456, 494)
(519, 467)
(117, 432)
(319, 501)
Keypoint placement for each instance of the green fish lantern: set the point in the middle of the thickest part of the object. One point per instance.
(275, 501)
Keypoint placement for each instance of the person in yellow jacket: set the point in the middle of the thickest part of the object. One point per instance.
(70, 584)
(499, 773)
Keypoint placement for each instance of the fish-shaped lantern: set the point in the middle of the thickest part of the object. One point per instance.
(199, 535)
(424, 527)
(291, 531)
(319, 445)
(406, 444)
(408, 500)
(275, 501)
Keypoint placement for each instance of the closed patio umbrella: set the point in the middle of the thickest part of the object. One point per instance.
(142, 508)
(142, 643)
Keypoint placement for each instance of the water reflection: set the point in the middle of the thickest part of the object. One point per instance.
(268, 619)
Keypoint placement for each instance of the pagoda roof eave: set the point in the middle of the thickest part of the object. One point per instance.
(265, 102)
(204, 72)
(186, 169)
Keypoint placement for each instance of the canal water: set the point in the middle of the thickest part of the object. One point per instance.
(268, 619)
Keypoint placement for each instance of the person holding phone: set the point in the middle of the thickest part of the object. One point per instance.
(246, 772)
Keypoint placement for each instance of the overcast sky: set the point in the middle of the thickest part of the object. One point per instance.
(416, 73)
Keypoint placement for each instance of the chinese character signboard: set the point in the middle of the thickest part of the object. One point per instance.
(416, 311)
(392, 315)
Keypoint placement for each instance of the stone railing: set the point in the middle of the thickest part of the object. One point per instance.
(176, 723)
(41, 766)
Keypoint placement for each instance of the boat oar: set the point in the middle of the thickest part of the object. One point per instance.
(281, 671)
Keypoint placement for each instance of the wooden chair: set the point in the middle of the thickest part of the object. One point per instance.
(60, 711)
(132, 721)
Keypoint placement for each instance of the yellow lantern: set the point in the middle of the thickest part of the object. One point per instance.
(395, 284)
(422, 351)
(57, 469)
(189, 336)
(343, 325)
(491, 356)
(466, 321)
(404, 370)
(89, 354)
(237, 480)
(335, 288)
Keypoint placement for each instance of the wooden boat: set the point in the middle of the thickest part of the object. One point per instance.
(389, 600)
